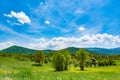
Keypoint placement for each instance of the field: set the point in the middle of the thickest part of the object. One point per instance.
(12, 69)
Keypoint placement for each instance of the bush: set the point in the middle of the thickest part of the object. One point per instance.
(106, 63)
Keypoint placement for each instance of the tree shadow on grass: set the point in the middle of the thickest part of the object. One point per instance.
(37, 65)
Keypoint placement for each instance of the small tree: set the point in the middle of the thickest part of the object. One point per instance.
(61, 60)
(82, 57)
(39, 57)
(67, 56)
(58, 61)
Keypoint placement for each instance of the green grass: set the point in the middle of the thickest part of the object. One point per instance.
(11, 69)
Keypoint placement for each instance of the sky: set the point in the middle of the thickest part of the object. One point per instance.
(58, 24)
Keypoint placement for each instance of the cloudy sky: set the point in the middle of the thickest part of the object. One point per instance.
(57, 24)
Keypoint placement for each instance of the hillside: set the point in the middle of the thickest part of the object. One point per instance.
(102, 51)
(105, 51)
(19, 49)
(71, 50)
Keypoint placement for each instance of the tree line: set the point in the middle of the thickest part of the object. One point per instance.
(62, 59)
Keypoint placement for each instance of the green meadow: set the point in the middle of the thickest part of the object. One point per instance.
(12, 69)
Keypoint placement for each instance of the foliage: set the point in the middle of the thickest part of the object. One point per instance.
(12, 69)
(58, 61)
(72, 50)
(67, 56)
(106, 63)
(75, 63)
(39, 57)
(82, 56)
(61, 60)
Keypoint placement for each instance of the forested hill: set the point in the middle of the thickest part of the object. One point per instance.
(105, 51)
(19, 49)
(71, 50)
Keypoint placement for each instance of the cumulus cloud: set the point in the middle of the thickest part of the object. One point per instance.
(4, 45)
(81, 28)
(8, 15)
(98, 40)
(21, 17)
(47, 22)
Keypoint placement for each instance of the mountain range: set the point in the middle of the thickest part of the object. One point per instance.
(72, 50)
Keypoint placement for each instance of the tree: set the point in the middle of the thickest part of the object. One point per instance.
(39, 57)
(82, 56)
(58, 61)
(67, 56)
(61, 60)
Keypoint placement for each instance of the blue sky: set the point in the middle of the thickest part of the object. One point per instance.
(56, 24)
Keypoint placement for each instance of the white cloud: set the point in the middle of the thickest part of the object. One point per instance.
(41, 3)
(13, 23)
(10, 31)
(8, 21)
(47, 22)
(98, 40)
(21, 17)
(78, 11)
(4, 45)
(8, 15)
(81, 28)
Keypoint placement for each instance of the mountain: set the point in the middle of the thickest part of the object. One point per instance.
(105, 51)
(19, 49)
(102, 51)
(14, 49)
(48, 51)
(71, 50)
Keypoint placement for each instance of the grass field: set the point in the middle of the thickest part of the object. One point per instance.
(11, 69)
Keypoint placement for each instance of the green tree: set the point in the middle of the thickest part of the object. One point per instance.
(67, 56)
(39, 57)
(61, 60)
(58, 61)
(82, 56)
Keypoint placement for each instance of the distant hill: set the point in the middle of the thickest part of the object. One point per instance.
(19, 49)
(71, 50)
(48, 51)
(14, 49)
(105, 51)
(102, 51)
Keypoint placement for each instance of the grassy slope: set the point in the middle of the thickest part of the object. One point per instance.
(10, 69)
